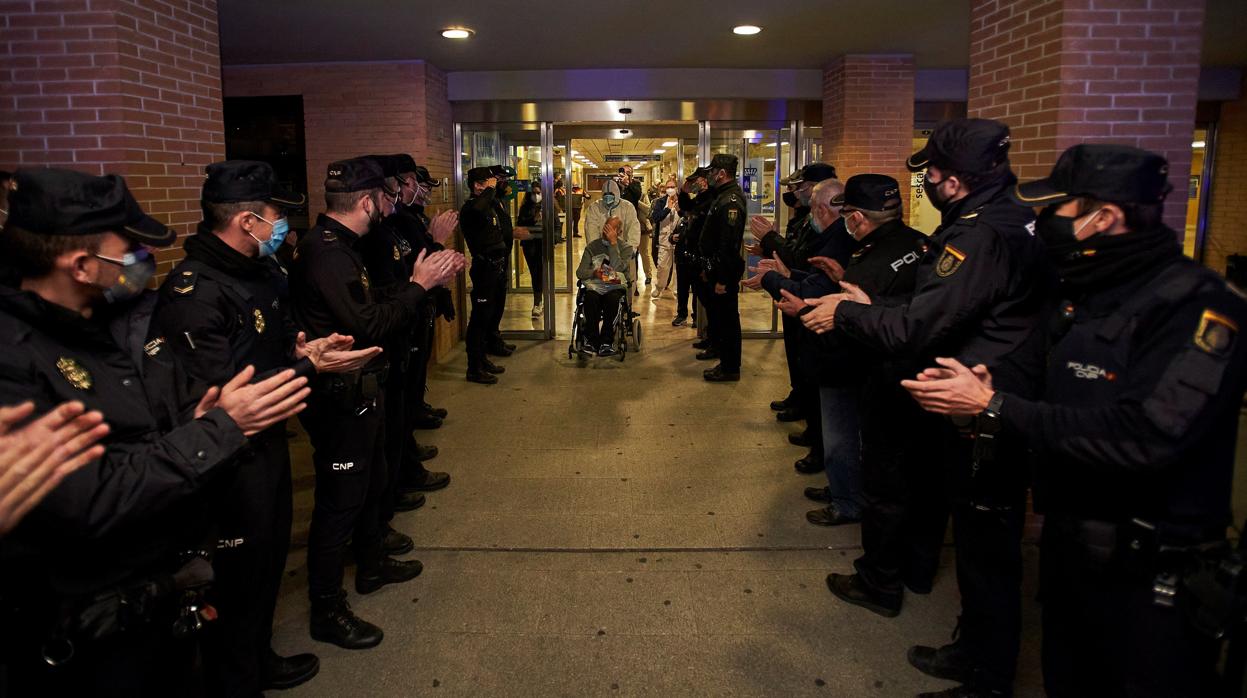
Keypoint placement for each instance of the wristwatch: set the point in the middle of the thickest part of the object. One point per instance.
(989, 421)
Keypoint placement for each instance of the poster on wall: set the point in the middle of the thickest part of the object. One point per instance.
(485, 149)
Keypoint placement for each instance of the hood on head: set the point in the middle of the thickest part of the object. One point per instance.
(611, 187)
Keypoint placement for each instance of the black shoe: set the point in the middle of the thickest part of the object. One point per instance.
(968, 691)
(491, 367)
(425, 453)
(390, 571)
(395, 543)
(819, 494)
(409, 501)
(797, 439)
(922, 587)
(333, 622)
(679, 320)
(500, 350)
(425, 420)
(786, 403)
(791, 414)
(718, 375)
(950, 662)
(702, 344)
(432, 481)
(482, 377)
(850, 589)
(606, 350)
(810, 464)
(707, 355)
(435, 411)
(278, 673)
(829, 516)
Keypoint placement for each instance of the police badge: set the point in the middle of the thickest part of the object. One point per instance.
(950, 261)
(397, 256)
(259, 321)
(73, 371)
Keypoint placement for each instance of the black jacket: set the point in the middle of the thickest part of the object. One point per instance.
(486, 226)
(687, 232)
(722, 234)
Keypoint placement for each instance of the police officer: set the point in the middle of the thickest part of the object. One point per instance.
(722, 265)
(332, 293)
(1135, 430)
(979, 295)
(692, 208)
(487, 230)
(222, 308)
(103, 583)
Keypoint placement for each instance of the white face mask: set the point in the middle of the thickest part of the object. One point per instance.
(537, 198)
(670, 191)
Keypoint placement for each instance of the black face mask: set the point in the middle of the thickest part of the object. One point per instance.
(1101, 261)
(790, 199)
(932, 190)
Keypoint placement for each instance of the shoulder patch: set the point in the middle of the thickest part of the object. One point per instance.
(328, 236)
(184, 284)
(950, 261)
(732, 215)
(1216, 333)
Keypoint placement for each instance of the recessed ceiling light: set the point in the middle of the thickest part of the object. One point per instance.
(1197, 144)
(670, 144)
(746, 30)
(659, 152)
(457, 33)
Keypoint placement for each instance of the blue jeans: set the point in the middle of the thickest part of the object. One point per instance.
(842, 448)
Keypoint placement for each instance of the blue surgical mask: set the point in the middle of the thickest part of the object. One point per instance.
(270, 246)
(816, 225)
(137, 268)
(608, 200)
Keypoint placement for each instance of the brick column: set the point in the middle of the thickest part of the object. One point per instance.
(1227, 205)
(1063, 72)
(130, 87)
(868, 116)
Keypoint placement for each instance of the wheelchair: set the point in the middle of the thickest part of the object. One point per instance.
(627, 334)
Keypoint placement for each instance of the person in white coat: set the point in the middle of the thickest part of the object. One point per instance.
(612, 205)
(665, 216)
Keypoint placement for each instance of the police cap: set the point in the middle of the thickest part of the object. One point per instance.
(1114, 173)
(394, 165)
(423, 176)
(479, 174)
(814, 172)
(501, 171)
(234, 181)
(51, 201)
(355, 174)
(869, 192)
(724, 161)
(972, 146)
(703, 172)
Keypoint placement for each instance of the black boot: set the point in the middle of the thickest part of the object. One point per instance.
(279, 673)
(427, 420)
(395, 543)
(431, 481)
(500, 349)
(951, 662)
(408, 501)
(424, 453)
(477, 375)
(333, 622)
(810, 464)
(491, 367)
(790, 414)
(388, 571)
(851, 589)
(435, 411)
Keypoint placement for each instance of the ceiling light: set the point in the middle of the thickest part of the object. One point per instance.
(746, 30)
(1197, 144)
(769, 160)
(670, 144)
(659, 152)
(457, 33)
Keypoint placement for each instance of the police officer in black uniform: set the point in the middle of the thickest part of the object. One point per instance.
(103, 582)
(722, 265)
(222, 308)
(487, 230)
(332, 293)
(1135, 431)
(693, 207)
(979, 295)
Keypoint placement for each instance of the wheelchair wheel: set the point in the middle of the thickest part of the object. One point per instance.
(635, 340)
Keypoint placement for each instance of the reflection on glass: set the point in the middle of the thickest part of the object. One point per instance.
(1195, 191)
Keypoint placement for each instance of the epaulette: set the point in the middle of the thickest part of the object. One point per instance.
(184, 284)
(328, 236)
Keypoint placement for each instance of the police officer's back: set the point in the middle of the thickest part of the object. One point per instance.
(719, 247)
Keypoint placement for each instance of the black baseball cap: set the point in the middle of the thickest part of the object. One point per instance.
(724, 161)
(972, 146)
(703, 172)
(869, 192)
(423, 176)
(52, 201)
(355, 174)
(394, 165)
(502, 171)
(813, 172)
(1116, 173)
(234, 181)
(480, 174)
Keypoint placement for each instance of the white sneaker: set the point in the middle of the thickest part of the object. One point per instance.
(655, 295)
(538, 309)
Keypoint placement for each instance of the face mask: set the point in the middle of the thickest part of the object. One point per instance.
(374, 216)
(1057, 231)
(536, 198)
(670, 191)
(816, 224)
(790, 199)
(137, 268)
(932, 189)
(848, 227)
(270, 246)
(608, 200)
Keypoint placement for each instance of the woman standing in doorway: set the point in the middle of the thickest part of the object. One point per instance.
(530, 217)
(664, 217)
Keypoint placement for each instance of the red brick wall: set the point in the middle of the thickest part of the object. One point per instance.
(868, 116)
(1227, 205)
(1061, 72)
(124, 86)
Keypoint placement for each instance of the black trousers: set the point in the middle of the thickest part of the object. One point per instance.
(395, 422)
(348, 453)
(723, 310)
(535, 260)
(701, 294)
(415, 385)
(1102, 633)
(489, 300)
(684, 274)
(601, 310)
(250, 560)
(906, 510)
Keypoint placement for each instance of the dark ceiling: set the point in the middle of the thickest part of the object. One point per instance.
(540, 34)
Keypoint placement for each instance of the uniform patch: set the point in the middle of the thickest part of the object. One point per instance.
(1216, 333)
(259, 321)
(397, 256)
(363, 280)
(74, 372)
(732, 215)
(328, 236)
(185, 284)
(153, 347)
(950, 261)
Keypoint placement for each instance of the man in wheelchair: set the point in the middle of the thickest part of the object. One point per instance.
(605, 273)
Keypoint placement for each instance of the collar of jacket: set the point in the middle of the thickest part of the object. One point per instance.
(208, 247)
(56, 320)
(976, 199)
(347, 235)
(725, 187)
